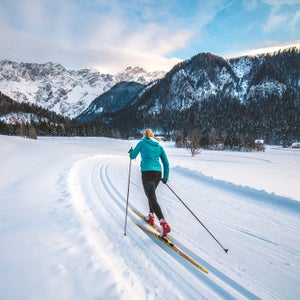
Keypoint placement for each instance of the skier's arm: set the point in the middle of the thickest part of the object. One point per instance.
(134, 153)
(166, 165)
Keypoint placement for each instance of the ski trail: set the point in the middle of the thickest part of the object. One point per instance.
(137, 275)
(237, 208)
(98, 185)
(113, 191)
(233, 289)
(81, 183)
(62, 223)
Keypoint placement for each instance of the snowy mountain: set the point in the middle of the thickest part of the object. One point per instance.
(232, 101)
(206, 76)
(139, 75)
(258, 95)
(68, 92)
(118, 97)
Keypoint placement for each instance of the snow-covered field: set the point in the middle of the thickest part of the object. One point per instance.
(62, 213)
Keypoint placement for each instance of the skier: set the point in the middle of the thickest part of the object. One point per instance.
(151, 151)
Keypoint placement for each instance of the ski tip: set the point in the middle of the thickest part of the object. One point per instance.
(226, 250)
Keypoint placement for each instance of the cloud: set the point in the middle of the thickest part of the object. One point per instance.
(283, 13)
(276, 4)
(267, 47)
(73, 33)
(295, 21)
(274, 22)
(249, 4)
(114, 34)
(136, 32)
(123, 58)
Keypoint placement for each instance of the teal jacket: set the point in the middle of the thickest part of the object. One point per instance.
(151, 151)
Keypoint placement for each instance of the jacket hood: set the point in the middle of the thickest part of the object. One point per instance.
(151, 141)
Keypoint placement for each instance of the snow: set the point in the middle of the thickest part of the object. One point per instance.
(62, 215)
(67, 92)
(18, 118)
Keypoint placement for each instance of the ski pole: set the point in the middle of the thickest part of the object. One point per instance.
(226, 250)
(127, 200)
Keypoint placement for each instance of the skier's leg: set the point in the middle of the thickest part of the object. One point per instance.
(150, 182)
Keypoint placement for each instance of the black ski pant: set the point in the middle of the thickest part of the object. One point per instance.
(150, 181)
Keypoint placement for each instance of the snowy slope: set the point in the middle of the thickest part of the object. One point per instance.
(67, 92)
(51, 86)
(62, 212)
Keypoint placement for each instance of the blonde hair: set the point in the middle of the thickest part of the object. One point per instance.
(148, 133)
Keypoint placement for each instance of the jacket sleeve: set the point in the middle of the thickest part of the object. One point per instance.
(165, 162)
(134, 153)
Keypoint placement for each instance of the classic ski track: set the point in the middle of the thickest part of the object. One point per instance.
(82, 179)
(105, 197)
(110, 189)
(218, 276)
(104, 205)
(215, 280)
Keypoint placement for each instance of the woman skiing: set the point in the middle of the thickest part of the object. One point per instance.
(151, 153)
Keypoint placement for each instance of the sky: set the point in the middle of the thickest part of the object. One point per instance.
(109, 35)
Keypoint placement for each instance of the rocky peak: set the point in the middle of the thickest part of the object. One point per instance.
(67, 92)
(139, 75)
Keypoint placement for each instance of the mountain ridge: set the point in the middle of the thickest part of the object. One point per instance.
(68, 92)
(233, 100)
(258, 94)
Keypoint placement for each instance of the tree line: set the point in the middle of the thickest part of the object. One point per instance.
(32, 120)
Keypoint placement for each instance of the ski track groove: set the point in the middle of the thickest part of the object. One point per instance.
(271, 215)
(235, 290)
(110, 190)
(91, 235)
(105, 196)
(100, 203)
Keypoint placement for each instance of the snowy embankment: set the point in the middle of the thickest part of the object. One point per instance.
(62, 212)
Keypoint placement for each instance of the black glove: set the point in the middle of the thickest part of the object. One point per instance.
(164, 181)
(130, 150)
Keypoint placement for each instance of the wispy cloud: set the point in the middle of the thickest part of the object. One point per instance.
(266, 47)
(281, 16)
(274, 21)
(133, 32)
(112, 34)
(249, 4)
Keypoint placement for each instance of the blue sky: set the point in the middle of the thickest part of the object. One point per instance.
(110, 35)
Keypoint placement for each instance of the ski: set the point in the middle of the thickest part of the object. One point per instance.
(154, 226)
(171, 246)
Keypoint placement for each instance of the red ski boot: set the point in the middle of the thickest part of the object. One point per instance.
(150, 218)
(165, 228)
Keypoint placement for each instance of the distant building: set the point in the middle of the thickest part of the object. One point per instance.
(296, 145)
(259, 145)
